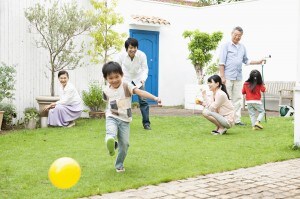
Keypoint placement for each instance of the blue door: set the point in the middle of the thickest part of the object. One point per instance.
(148, 43)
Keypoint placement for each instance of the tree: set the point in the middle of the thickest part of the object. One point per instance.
(212, 68)
(57, 26)
(7, 86)
(7, 81)
(106, 41)
(200, 46)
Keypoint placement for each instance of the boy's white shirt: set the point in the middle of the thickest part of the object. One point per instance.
(135, 70)
(123, 103)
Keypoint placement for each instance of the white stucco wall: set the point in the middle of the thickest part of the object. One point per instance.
(175, 69)
(297, 93)
(270, 27)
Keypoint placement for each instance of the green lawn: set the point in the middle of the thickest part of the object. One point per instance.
(176, 148)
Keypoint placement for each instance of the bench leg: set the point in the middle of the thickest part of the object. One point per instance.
(280, 101)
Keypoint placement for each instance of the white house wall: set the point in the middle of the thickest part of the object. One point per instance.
(175, 69)
(270, 27)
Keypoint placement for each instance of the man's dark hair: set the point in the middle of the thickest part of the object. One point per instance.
(111, 67)
(131, 41)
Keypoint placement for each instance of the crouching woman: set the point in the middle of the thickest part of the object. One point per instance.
(218, 108)
(68, 108)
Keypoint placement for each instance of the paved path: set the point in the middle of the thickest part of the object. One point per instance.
(268, 181)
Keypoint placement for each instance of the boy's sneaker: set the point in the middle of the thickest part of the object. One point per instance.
(120, 170)
(258, 125)
(110, 145)
(254, 128)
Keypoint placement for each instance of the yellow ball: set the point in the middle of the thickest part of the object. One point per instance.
(64, 173)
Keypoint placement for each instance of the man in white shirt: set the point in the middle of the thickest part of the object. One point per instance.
(135, 68)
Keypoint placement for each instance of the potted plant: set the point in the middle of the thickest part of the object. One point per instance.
(7, 82)
(93, 98)
(135, 105)
(31, 117)
(57, 25)
(8, 115)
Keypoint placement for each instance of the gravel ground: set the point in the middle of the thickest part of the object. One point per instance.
(174, 111)
(178, 111)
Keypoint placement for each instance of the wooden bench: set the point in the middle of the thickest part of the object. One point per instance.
(278, 90)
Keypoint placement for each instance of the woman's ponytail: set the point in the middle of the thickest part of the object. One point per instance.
(223, 88)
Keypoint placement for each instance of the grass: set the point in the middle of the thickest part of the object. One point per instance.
(176, 148)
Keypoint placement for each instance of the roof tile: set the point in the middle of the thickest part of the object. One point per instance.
(150, 20)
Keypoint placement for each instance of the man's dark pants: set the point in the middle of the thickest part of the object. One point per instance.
(144, 107)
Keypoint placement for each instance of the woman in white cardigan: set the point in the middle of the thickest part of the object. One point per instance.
(69, 106)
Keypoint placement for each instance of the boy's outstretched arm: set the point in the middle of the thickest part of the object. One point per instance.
(146, 94)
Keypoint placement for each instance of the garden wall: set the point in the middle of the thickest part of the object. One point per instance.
(270, 27)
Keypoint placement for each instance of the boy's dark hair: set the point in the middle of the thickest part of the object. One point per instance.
(63, 72)
(217, 79)
(111, 67)
(131, 41)
(254, 79)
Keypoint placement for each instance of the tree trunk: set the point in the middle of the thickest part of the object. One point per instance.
(199, 72)
(52, 82)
